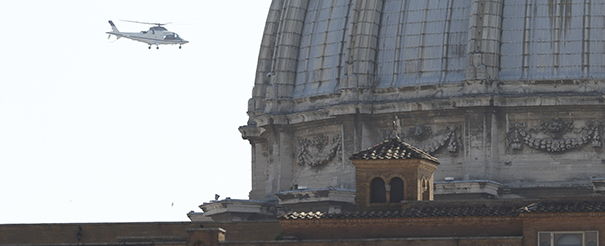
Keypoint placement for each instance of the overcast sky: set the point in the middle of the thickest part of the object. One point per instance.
(98, 130)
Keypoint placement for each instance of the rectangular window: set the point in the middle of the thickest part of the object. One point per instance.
(568, 238)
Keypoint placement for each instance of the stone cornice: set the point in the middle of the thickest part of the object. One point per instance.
(328, 108)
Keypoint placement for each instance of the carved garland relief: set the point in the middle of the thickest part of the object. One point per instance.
(319, 150)
(431, 142)
(553, 135)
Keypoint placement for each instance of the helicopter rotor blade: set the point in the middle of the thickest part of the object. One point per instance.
(147, 23)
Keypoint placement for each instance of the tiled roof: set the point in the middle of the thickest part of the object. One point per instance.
(428, 211)
(565, 206)
(466, 209)
(392, 148)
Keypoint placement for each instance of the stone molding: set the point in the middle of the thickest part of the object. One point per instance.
(316, 195)
(467, 187)
(396, 101)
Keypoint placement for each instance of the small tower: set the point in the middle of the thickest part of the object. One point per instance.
(392, 172)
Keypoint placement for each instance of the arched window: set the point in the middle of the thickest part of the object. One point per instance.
(396, 190)
(378, 192)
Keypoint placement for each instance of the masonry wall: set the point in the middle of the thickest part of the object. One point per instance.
(403, 227)
(247, 231)
(89, 232)
(109, 232)
(478, 241)
(556, 222)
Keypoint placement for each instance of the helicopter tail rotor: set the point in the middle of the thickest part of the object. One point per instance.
(113, 27)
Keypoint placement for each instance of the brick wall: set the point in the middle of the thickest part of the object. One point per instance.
(559, 222)
(89, 232)
(246, 231)
(411, 171)
(487, 241)
(403, 227)
(109, 232)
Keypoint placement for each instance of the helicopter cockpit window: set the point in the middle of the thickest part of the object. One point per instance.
(170, 36)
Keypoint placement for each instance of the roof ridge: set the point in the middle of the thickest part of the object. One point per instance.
(393, 148)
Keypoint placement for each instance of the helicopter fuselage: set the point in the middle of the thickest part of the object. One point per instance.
(156, 35)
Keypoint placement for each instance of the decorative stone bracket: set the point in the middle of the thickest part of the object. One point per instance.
(319, 150)
(518, 135)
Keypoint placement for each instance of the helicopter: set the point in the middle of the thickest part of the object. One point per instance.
(156, 35)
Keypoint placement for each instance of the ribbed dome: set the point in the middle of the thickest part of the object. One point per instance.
(314, 48)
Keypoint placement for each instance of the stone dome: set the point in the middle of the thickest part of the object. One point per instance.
(506, 92)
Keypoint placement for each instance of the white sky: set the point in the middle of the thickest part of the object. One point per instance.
(93, 130)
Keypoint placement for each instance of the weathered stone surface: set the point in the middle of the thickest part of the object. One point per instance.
(505, 91)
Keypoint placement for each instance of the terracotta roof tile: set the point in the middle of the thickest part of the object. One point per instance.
(392, 148)
(565, 206)
(468, 209)
(414, 212)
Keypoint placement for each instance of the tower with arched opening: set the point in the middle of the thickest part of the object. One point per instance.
(392, 172)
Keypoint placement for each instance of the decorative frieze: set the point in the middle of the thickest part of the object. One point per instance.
(419, 132)
(448, 138)
(319, 150)
(423, 137)
(555, 135)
